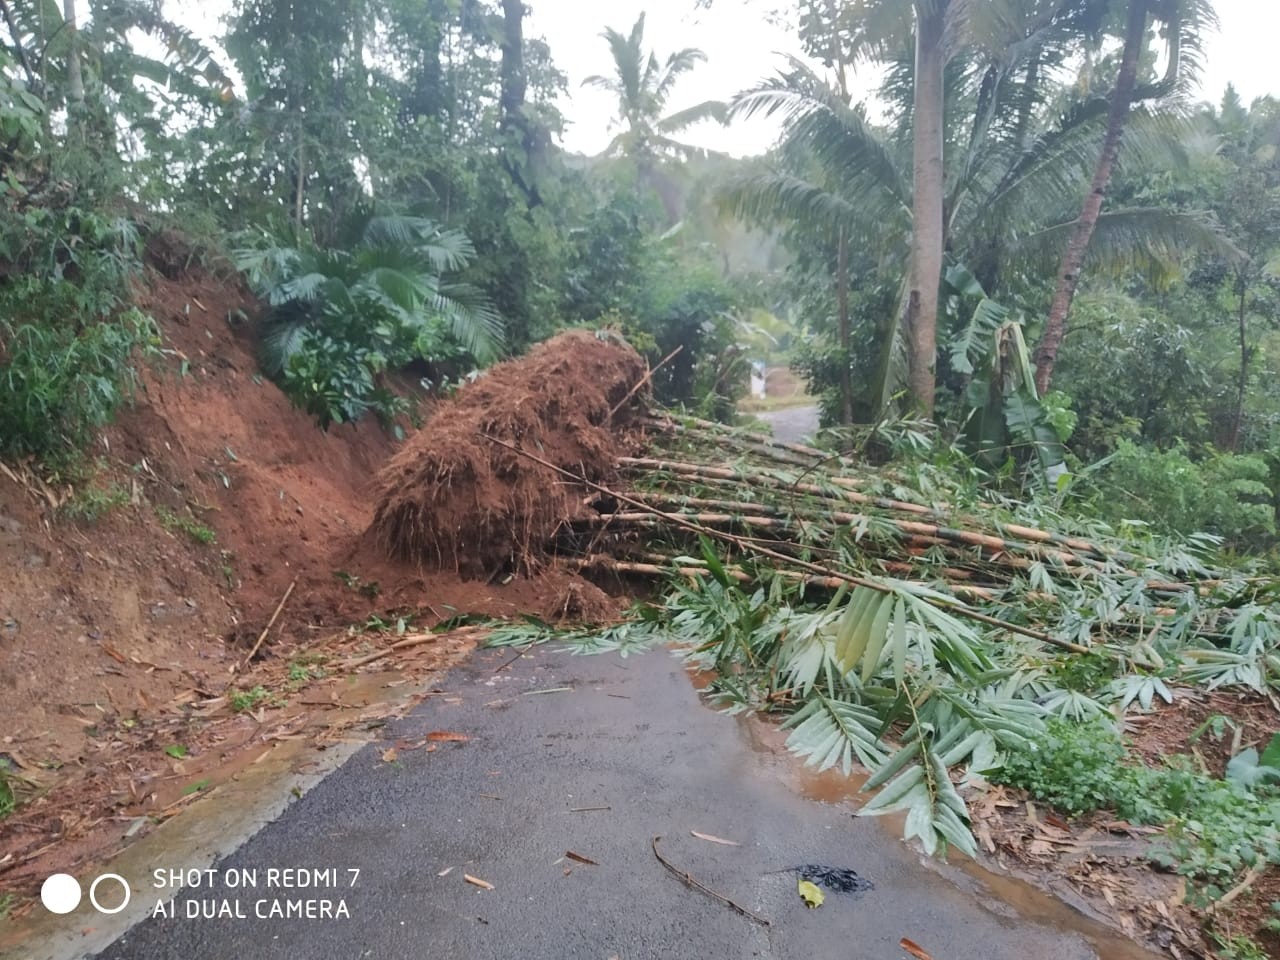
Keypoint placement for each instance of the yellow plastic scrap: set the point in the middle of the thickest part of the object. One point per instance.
(809, 893)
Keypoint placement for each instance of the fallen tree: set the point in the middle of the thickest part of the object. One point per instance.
(904, 619)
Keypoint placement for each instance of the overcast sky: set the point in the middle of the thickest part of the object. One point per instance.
(742, 46)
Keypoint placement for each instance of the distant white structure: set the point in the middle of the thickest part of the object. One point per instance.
(757, 379)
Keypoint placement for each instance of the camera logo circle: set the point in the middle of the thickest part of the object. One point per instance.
(93, 891)
(60, 893)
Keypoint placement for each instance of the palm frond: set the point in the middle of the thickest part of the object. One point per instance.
(779, 198)
(471, 319)
(1148, 239)
(837, 136)
(715, 110)
(284, 335)
(627, 61)
(678, 64)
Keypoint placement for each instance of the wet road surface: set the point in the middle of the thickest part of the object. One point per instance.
(792, 424)
(626, 753)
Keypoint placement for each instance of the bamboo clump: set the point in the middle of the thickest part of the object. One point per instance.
(820, 521)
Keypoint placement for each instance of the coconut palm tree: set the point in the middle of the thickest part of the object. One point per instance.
(1014, 35)
(643, 85)
(1185, 24)
(1010, 182)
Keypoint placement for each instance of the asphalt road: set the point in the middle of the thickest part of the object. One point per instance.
(792, 424)
(629, 736)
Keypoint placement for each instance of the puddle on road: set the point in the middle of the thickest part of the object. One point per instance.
(1002, 894)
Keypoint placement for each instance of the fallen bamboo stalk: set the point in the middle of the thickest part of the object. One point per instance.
(415, 641)
(746, 447)
(957, 608)
(697, 427)
(915, 544)
(996, 545)
(848, 491)
(1095, 556)
(726, 473)
(267, 629)
(606, 562)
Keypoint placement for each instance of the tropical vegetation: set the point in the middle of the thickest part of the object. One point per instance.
(1028, 268)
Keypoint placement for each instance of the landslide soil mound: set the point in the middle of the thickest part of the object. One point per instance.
(453, 500)
(207, 498)
(211, 496)
(221, 494)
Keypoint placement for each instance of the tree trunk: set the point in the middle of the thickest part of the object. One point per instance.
(33, 79)
(300, 184)
(842, 297)
(514, 83)
(921, 318)
(1055, 327)
(1242, 386)
(518, 141)
(75, 79)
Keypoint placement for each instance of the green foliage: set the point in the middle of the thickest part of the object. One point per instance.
(67, 343)
(1225, 494)
(186, 524)
(665, 296)
(623, 639)
(1239, 947)
(242, 700)
(1074, 767)
(305, 669)
(91, 503)
(21, 118)
(1248, 769)
(1216, 828)
(8, 801)
(342, 318)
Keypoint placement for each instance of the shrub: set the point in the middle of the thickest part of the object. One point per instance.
(1226, 494)
(66, 343)
(341, 318)
(1074, 769)
(1216, 828)
(60, 384)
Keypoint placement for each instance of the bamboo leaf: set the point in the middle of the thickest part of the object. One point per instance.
(899, 641)
(894, 764)
(893, 794)
(876, 635)
(851, 639)
(713, 561)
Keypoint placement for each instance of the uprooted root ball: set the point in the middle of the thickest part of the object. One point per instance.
(453, 500)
